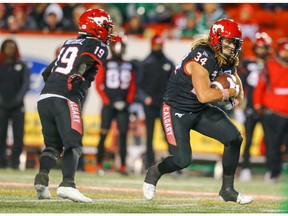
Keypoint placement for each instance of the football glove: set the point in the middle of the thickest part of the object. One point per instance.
(229, 104)
(74, 78)
(234, 85)
(119, 105)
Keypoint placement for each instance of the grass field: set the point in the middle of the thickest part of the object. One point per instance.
(114, 193)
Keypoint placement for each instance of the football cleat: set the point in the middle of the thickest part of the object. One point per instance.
(72, 194)
(241, 199)
(42, 191)
(148, 190)
(41, 185)
(244, 199)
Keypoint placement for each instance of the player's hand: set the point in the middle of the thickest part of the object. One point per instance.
(259, 110)
(234, 85)
(119, 105)
(148, 101)
(74, 78)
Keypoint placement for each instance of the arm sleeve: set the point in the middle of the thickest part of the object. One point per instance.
(25, 84)
(259, 90)
(141, 93)
(131, 89)
(83, 64)
(99, 84)
(46, 73)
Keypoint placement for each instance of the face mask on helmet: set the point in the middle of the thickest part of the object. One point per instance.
(96, 23)
(230, 31)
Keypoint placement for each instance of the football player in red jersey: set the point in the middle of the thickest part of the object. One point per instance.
(249, 71)
(67, 80)
(270, 99)
(186, 106)
(116, 84)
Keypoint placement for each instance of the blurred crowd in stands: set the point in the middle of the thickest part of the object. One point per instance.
(173, 20)
(177, 20)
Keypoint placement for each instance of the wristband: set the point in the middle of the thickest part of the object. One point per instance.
(225, 93)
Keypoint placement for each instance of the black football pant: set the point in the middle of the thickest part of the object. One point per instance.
(16, 116)
(211, 122)
(252, 118)
(109, 113)
(62, 129)
(275, 127)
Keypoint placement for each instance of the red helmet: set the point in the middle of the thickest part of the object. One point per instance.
(262, 39)
(225, 28)
(96, 23)
(282, 44)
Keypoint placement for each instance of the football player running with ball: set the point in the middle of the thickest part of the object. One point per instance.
(186, 106)
(67, 80)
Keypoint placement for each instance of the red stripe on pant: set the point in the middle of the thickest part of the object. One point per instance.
(167, 123)
(76, 121)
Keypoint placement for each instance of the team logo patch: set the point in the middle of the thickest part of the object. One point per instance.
(100, 20)
(216, 27)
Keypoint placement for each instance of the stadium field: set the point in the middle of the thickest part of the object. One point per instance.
(113, 193)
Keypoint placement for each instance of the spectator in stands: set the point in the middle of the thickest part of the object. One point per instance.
(135, 26)
(76, 13)
(191, 29)
(274, 6)
(116, 84)
(271, 102)
(114, 12)
(154, 72)
(53, 19)
(247, 22)
(211, 13)
(249, 72)
(37, 13)
(19, 20)
(3, 23)
(14, 83)
(180, 18)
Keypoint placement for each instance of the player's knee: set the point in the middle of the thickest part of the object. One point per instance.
(51, 153)
(77, 151)
(184, 161)
(236, 142)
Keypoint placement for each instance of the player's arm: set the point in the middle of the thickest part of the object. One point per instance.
(240, 96)
(46, 73)
(132, 89)
(83, 64)
(201, 83)
(99, 84)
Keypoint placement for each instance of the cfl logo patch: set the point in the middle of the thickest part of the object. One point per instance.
(179, 115)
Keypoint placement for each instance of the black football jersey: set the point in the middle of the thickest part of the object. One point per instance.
(180, 92)
(73, 53)
(249, 71)
(117, 80)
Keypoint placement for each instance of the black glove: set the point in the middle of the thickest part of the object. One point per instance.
(74, 78)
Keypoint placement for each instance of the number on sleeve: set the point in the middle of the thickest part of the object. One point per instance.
(99, 52)
(199, 58)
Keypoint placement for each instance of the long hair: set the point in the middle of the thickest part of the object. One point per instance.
(204, 40)
(2, 53)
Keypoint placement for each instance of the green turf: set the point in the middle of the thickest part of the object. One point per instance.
(113, 193)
